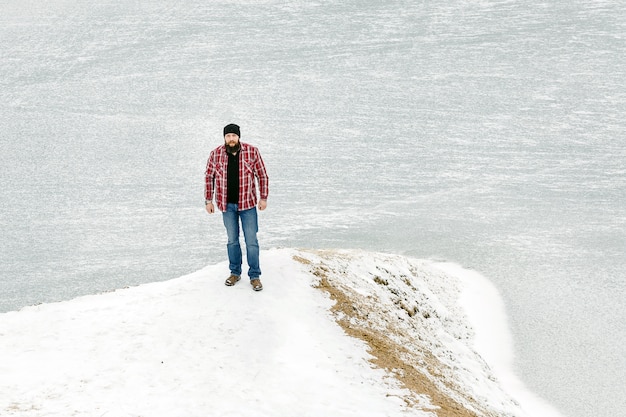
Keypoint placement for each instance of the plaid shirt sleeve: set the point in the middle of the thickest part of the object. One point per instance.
(209, 178)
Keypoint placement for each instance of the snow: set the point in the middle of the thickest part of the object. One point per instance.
(486, 313)
(194, 347)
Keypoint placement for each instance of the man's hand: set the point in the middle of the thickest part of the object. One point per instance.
(262, 204)
(209, 208)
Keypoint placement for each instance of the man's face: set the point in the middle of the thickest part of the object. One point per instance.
(231, 139)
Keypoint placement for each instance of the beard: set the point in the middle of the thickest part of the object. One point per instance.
(233, 149)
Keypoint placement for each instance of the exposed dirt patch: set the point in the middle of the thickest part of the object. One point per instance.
(416, 369)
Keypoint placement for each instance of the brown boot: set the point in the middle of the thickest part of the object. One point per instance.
(256, 284)
(232, 280)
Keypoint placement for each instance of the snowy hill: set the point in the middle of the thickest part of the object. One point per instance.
(340, 333)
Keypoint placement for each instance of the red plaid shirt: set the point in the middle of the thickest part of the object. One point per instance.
(251, 168)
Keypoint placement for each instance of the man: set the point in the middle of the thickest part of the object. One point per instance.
(232, 171)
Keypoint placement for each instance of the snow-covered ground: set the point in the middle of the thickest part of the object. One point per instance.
(194, 347)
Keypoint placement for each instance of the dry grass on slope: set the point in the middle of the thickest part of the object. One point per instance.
(417, 370)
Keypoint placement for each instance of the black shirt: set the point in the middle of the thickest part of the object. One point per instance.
(232, 184)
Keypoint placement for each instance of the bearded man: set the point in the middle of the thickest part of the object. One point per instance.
(232, 173)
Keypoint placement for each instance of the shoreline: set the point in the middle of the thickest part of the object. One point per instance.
(357, 278)
(486, 311)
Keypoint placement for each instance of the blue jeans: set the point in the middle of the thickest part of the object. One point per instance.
(250, 226)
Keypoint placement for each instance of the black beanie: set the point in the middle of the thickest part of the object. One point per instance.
(232, 128)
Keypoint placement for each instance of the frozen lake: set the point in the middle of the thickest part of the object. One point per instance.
(488, 133)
